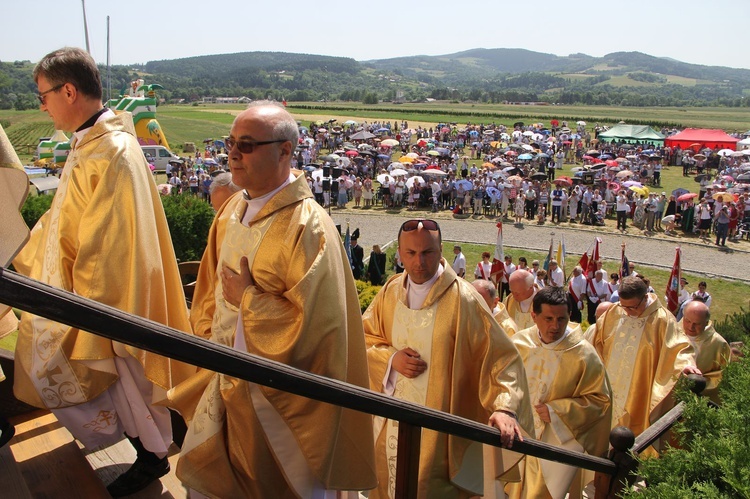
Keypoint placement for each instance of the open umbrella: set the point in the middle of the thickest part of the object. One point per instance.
(493, 193)
(539, 176)
(699, 156)
(598, 166)
(383, 178)
(467, 185)
(525, 157)
(624, 174)
(632, 183)
(398, 172)
(389, 142)
(352, 153)
(722, 195)
(613, 186)
(701, 177)
(612, 162)
(406, 159)
(563, 181)
(642, 191)
(745, 177)
(687, 197)
(435, 171)
(577, 169)
(515, 179)
(415, 179)
(679, 192)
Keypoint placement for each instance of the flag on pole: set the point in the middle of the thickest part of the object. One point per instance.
(673, 286)
(624, 264)
(498, 266)
(545, 266)
(283, 101)
(588, 263)
(348, 245)
(560, 257)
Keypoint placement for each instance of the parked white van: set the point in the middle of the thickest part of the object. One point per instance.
(159, 156)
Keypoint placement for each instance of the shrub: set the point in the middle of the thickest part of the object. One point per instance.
(189, 220)
(714, 460)
(35, 207)
(735, 327)
(366, 294)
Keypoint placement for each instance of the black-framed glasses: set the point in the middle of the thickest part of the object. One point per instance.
(41, 95)
(415, 224)
(635, 307)
(248, 146)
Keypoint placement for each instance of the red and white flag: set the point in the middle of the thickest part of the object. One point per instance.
(588, 263)
(498, 261)
(673, 285)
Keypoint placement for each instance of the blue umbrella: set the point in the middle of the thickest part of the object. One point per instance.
(383, 156)
(525, 156)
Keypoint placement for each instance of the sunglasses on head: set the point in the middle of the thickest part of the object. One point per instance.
(248, 146)
(411, 225)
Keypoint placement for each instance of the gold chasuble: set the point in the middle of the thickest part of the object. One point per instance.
(303, 311)
(522, 319)
(712, 354)
(105, 237)
(472, 370)
(644, 356)
(570, 379)
(503, 318)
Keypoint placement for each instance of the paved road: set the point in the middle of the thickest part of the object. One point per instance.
(699, 258)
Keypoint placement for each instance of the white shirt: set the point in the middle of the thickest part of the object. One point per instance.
(459, 264)
(556, 277)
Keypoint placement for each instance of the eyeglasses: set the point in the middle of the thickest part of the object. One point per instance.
(635, 307)
(248, 146)
(411, 225)
(40, 96)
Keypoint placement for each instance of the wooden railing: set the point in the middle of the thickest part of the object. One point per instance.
(67, 308)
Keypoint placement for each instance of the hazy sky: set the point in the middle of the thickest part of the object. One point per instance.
(695, 31)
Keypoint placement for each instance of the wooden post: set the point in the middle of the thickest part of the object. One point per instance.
(407, 460)
(622, 439)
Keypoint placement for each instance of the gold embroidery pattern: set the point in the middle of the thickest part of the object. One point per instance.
(102, 421)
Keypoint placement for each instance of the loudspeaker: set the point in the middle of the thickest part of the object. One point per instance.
(326, 171)
(326, 185)
(337, 172)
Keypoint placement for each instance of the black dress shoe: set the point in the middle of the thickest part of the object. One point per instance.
(7, 431)
(138, 477)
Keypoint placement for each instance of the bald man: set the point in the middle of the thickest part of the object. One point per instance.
(269, 247)
(488, 291)
(712, 352)
(518, 302)
(600, 309)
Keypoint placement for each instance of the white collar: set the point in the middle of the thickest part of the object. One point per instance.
(417, 293)
(254, 205)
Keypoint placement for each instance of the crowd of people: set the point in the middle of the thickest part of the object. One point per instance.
(271, 284)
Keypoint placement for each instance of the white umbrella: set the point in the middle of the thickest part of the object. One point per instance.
(528, 133)
(577, 169)
(398, 172)
(504, 136)
(517, 133)
(489, 132)
(383, 178)
(725, 152)
(493, 193)
(343, 162)
(411, 180)
(582, 123)
(527, 147)
(434, 171)
(389, 142)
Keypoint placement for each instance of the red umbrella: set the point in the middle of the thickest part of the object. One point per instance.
(612, 162)
(563, 181)
(511, 153)
(687, 197)
(352, 153)
(614, 186)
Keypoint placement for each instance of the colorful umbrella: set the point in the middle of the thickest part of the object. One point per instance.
(687, 197)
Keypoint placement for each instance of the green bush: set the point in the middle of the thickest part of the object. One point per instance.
(35, 207)
(366, 294)
(714, 460)
(735, 327)
(189, 220)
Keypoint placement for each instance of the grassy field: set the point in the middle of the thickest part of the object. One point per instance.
(183, 123)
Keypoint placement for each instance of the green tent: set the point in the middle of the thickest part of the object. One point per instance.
(631, 133)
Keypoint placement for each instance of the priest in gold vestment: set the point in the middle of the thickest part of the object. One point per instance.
(518, 302)
(488, 291)
(275, 282)
(569, 390)
(105, 237)
(432, 341)
(712, 352)
(644, 351)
